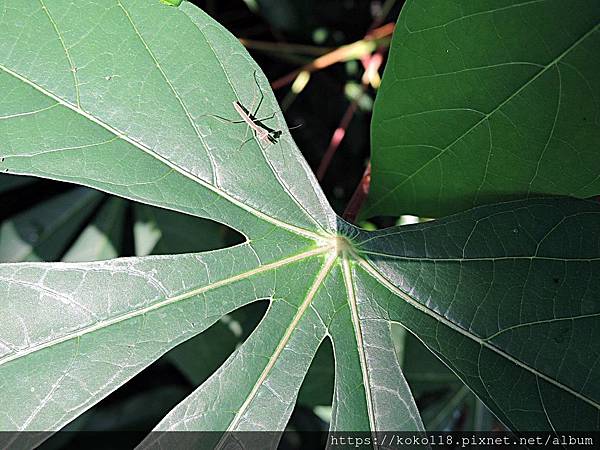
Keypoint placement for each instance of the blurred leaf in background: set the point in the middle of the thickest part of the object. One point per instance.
(10, 182)
(103, 237)
(43, 232)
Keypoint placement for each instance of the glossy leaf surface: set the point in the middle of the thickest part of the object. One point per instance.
(487, 101)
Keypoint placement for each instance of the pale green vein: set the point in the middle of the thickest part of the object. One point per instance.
(323, 272)
(551, 134)
(488, 115)
(258, 143)
(213, 169)
(430, 111)
(348, 281)
(294, 229)
(49, 151)
(482, 342)
(161, 304)
(541, 322)
(27, 113)
(479, 13)
(471, 69)
(537, 382)
(72, 66)
(475, 259)
(55, 386)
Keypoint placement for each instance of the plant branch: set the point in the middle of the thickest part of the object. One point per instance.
(359, 196)
(379, 37)
(371, 64)
(283, 47)
(336, 139)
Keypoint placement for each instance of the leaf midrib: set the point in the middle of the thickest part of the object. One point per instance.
(321, 275)
(350, 290)
(476, 259)
(482, 342)
(292, 228)
(168, 301)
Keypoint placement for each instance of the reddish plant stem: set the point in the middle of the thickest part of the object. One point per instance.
(371, 63)
(336, 139)
(359, 196)
(338, 55)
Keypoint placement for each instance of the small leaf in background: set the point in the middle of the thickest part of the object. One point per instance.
(446, 404)
(10, 182)
(103, 237)
(160, 231)
(317, 388)
(45, 231)
(199, 357)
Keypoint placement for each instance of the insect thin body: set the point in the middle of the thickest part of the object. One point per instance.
(262, 131)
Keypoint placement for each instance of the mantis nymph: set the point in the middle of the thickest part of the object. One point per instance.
(262, 131)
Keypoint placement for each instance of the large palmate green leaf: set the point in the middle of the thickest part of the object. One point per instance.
(477, 288)
(487, 101)
(519, 319)
(138, 123)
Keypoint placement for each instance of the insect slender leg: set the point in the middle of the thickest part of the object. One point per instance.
(266, 118)
(221, 118)
(244, 143)
(262, 95)
(245, 140)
